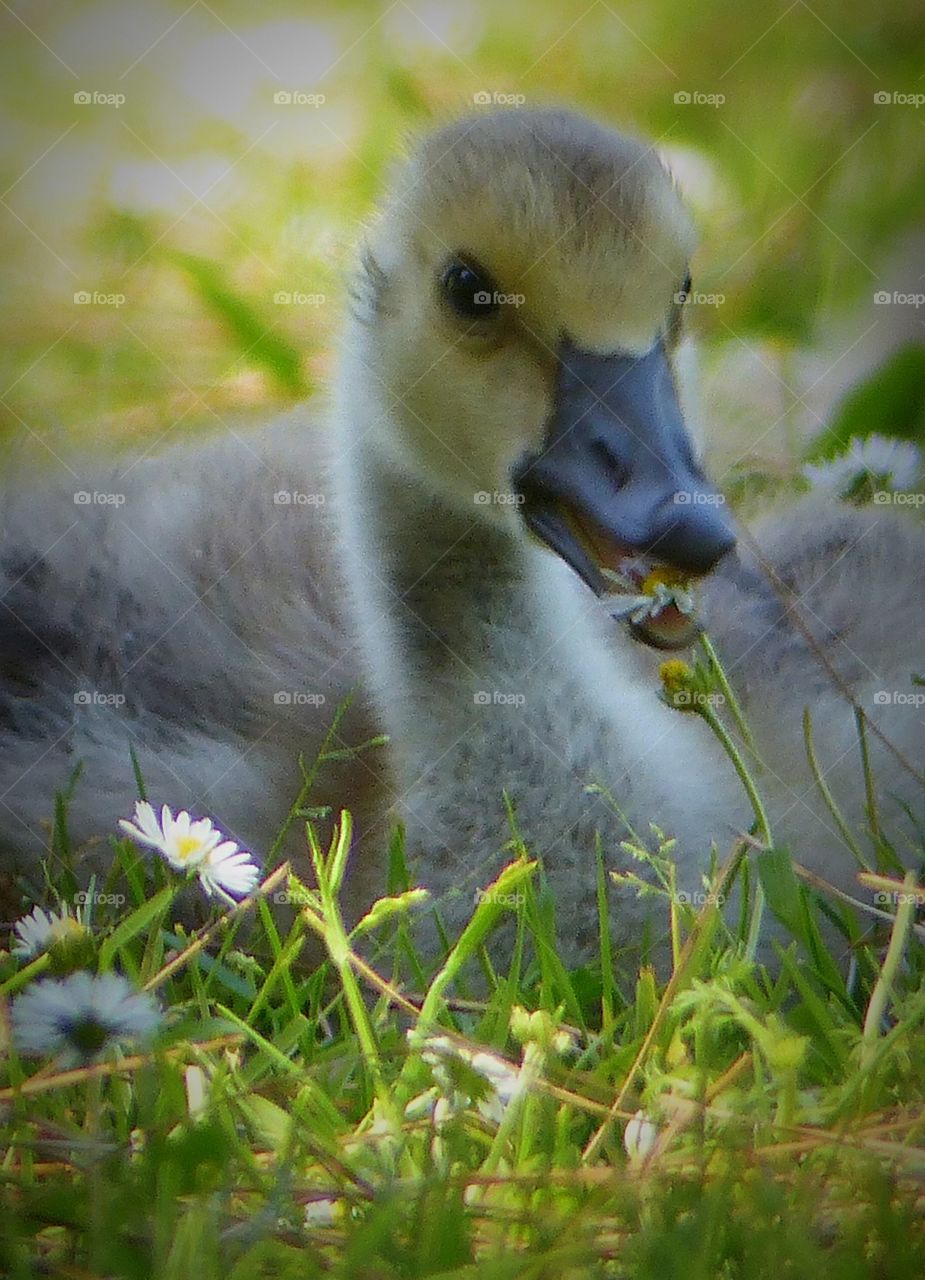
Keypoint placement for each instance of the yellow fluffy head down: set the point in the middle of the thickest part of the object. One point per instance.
(579, 234)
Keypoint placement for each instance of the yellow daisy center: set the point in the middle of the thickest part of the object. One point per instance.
(64, 927)
(187, 847)
(675, 674)
(664, 576)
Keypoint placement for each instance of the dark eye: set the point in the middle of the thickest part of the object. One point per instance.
(684, 292)
(470, 291)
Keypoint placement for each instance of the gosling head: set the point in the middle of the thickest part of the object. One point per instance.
(522, 298)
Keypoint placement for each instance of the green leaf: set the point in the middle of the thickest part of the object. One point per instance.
(134, 924)
(789, 901)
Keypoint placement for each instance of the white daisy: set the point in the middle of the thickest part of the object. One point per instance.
(876, 461)
(40, 930)
(229, 872)
(183, 841)
(648, 599)
(80, 1017)
(190, 844)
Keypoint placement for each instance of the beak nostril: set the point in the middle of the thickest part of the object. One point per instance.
(695, 543)
(617, 475)
(616, 467)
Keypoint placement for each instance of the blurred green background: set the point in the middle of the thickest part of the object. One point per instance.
(169, 170)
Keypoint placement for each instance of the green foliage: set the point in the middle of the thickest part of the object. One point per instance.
(285, 1125)
(293, 1120)
(889, 403)
(803, 184)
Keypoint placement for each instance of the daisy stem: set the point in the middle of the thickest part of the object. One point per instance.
(731, 700)
(97, 1225)
(761, 818)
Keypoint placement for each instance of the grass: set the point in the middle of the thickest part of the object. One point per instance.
(283, 1122)
(377, 1116)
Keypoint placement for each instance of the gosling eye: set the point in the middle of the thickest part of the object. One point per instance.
(470, 291)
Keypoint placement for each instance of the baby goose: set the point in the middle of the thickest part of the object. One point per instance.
(506, 433)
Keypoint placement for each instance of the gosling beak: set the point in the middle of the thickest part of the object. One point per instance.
(616, 476)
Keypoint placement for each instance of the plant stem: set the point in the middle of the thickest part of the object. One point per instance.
(731, 700)
(881, 992)
(869, 788)
(826, 794)
(761, 818)
(329, 872)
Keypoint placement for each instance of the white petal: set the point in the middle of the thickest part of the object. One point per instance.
(145, 829)
(229, 872)
(639, 1136)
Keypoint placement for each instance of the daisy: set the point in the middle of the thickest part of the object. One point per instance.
(79, 1018)
(190, 845)
(656, 592)
(40, 930)
(229, 872)
(875, 463)
(183, 841)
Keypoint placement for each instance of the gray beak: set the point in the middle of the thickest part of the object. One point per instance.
(616, 475)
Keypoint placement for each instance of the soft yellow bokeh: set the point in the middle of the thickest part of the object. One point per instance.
(229, 153)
